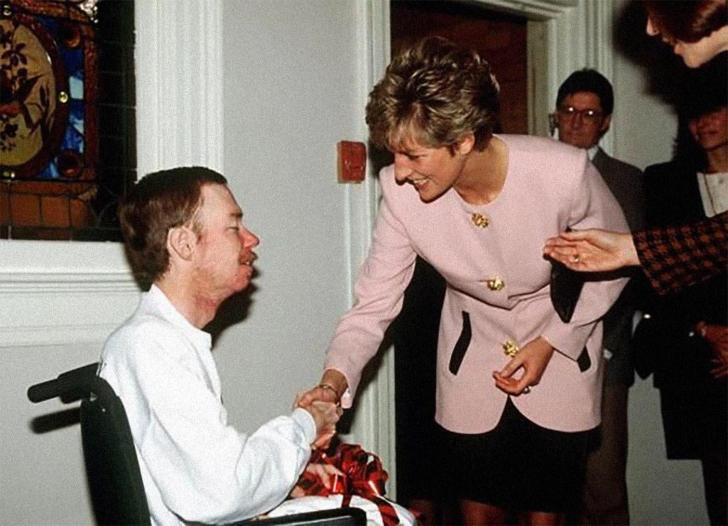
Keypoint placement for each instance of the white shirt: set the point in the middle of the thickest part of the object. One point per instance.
(713, 192)
(592, 152)
(195, 466)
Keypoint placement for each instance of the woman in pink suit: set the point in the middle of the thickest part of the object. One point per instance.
(517, 388)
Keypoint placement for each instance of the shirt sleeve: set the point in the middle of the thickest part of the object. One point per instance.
(379, 293)
(205, 470)
(592, 206)
(677, 257)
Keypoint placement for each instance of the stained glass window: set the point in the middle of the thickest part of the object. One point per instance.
(66, 117)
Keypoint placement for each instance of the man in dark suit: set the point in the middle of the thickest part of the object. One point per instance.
(583, 115)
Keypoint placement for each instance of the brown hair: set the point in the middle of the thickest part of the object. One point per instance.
(687, 21)
(158, 202)
(434, 93)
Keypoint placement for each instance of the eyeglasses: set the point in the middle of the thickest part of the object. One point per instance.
(587, 114)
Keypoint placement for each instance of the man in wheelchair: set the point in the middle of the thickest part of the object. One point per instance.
(185, 238)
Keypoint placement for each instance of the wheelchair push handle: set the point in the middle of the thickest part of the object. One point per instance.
(69, 386)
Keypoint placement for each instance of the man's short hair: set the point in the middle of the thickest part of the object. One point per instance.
(589, 80)
(156, 203)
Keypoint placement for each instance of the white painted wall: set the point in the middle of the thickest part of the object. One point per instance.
(291, 91)
(295, 77)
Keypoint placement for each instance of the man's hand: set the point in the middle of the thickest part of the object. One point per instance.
(326, 473)
(592, 250)
(325, 416)
(533, 359)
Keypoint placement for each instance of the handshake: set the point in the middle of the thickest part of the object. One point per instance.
(323, 402)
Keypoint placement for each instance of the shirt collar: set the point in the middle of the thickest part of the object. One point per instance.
(592, 152)
(158, 300)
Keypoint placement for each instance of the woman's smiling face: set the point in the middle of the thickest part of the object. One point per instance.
(432, 171)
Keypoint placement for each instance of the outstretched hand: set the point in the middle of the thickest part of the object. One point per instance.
(592, 250)
(533, 359)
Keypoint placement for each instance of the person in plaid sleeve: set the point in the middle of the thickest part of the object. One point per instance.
(685, 339)
(672, 257)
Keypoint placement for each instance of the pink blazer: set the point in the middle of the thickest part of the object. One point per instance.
(497, 283)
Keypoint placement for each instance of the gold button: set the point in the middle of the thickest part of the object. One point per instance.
(480, 220)
(495, 284)
(510, 348)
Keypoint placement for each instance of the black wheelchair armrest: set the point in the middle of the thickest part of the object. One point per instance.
(334, 517)
(69, 386)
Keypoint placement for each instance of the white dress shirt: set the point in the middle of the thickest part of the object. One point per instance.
(195, 466)
(713, 192)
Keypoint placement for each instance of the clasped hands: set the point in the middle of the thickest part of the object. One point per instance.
(324, 403)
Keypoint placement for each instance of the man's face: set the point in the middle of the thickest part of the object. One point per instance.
(581, 120)
(224, 251)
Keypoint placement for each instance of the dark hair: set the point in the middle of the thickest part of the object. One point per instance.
(589, 80)
(688, 21)
(705, 89)
(434, 93)
(158, 202)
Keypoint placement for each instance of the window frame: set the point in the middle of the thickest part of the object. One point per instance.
(69, 292)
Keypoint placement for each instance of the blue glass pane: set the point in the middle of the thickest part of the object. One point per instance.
(76, 115)
(72, 140)
(51, 24)
(73, 59)
(50, 172)
(75, 85)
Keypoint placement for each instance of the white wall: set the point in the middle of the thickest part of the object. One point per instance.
(291, 91)
(294, 84)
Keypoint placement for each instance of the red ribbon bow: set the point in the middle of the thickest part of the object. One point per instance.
(364, 476)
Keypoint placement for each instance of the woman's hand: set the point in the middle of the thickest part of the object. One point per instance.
(717, 337)
(324, 404)
(533, 359)
(592, 250)
(330, 388)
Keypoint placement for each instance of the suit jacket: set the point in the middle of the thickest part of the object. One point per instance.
(626, 183)
(497, 288)
(679, 357)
